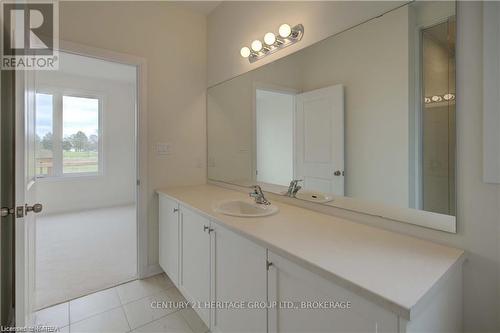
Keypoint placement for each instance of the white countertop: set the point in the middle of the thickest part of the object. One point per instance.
(393, 270)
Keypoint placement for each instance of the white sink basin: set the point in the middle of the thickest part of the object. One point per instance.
(242, 208)
(314, 196)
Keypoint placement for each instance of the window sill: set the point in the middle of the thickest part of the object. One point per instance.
(75, 177)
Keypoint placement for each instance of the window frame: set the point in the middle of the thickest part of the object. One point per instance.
(57, 132)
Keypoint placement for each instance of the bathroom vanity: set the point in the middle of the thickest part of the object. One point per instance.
(364, 120)
(303, 271)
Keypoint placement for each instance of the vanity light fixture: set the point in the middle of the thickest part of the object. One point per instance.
(439, 98)
(286, 36)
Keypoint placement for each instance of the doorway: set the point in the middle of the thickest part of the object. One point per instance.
(300, 136)
(275, 118)
(85, 165)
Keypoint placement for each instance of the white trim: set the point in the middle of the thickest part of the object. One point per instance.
(2, 319)
(491, 92)
(143, 267)
(415, 114)
(22, 311)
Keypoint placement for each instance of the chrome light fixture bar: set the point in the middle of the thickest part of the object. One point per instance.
(448, 97)
(286, 36)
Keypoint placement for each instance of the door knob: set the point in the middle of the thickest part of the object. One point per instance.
(18, 212)
(36, 208)
(338, 173)
(6, 211)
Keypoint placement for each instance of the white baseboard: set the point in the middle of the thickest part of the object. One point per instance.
(152, 270)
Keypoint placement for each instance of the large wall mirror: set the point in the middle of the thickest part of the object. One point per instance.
(366, 117)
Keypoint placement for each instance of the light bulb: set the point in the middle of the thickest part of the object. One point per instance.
(285, 30)
(449, 97)
(245, 52)
(256, 45)
(436, 98)
(427, 100)
(269, 38)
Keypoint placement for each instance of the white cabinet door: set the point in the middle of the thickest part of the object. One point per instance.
(169, 237)
(238, 275)
(195, 261)
(290, 285)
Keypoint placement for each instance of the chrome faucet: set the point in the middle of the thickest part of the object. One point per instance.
(258, 195)
(293, 188)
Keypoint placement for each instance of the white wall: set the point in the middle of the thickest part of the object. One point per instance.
(115, 185)
(234, 24)
(172, 39)
(478, 207)
(371, 62)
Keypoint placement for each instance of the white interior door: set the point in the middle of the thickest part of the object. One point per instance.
(319, 139)
(25, 198)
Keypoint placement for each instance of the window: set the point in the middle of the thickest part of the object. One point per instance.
(67, 135)
(43, 137)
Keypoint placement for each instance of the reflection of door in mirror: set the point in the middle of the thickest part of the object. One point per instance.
(274, 119)
(320, 139)
(301, 136)
(438, 117)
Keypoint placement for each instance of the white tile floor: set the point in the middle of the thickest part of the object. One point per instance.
(124, 308)
(82, 252)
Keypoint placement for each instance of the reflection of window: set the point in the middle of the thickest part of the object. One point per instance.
(68, 135)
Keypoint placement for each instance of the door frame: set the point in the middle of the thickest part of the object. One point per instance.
(144, 269)
(24, 302)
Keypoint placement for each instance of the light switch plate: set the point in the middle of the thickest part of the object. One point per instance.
(163, 148)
